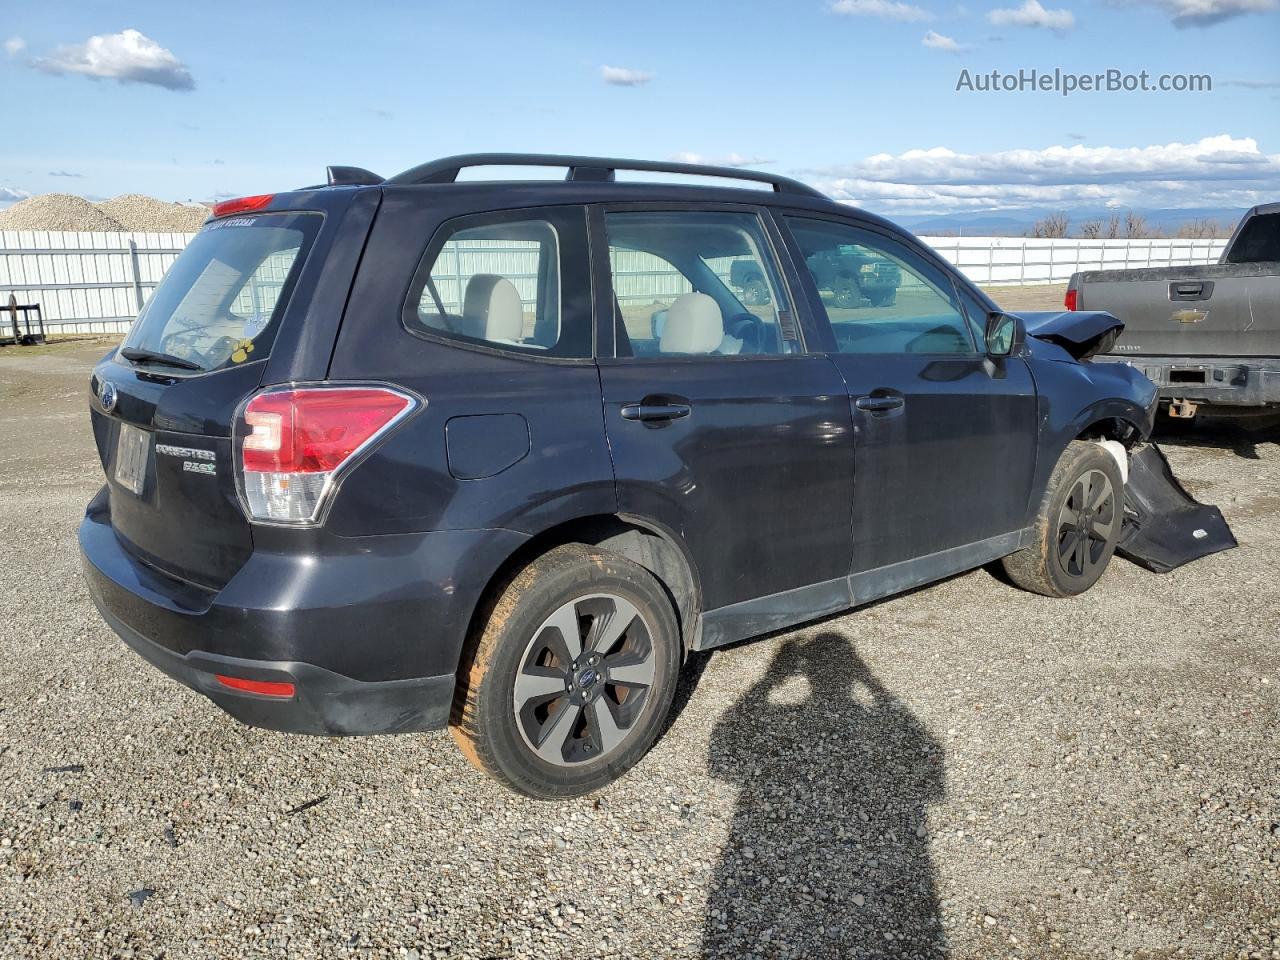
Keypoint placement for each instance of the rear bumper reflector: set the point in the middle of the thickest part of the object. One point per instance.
(266, 688)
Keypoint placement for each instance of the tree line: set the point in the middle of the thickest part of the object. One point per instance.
(1129, 225)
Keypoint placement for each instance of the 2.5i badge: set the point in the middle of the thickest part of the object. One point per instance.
(194, 460)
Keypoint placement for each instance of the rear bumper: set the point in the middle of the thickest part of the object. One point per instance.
(368, 632)
(1217, 381)
(324, 702)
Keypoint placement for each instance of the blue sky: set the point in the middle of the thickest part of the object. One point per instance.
(254, 97)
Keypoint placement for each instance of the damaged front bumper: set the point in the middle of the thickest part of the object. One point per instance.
(1164, 526)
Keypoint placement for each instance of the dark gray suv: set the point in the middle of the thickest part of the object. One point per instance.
(386, 455)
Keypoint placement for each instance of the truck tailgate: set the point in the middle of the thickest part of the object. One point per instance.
(1223, 310)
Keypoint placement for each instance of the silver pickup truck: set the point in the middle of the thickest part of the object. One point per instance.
(1208, 336)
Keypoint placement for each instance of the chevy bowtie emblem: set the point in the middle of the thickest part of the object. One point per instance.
(107, 395)
(1189, 316)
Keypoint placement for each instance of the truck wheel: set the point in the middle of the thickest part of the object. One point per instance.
(884, 298)
(572, 677)
(846, 293)
(1077, 527)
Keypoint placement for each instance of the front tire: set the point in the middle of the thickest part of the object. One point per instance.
(573, 675)
(1077, 527)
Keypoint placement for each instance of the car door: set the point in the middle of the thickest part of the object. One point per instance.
(724, 431)
(944, 436)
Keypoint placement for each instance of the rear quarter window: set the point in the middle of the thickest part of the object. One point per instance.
(496, 281)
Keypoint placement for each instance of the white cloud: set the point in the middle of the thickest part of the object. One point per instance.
(938, 42)
(12, 196)
(884, 9)
(624, 77)
(730, 160)
(1215, 171)
(127, 57)
(14, 46)
(1205, 13)
(1033, 14)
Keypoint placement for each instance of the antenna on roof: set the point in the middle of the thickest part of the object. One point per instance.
(352, 176)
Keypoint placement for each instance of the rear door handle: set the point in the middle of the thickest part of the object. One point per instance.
(876, 404)
(652, 412)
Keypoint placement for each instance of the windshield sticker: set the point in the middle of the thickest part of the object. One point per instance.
(233, 222)
(242, 351)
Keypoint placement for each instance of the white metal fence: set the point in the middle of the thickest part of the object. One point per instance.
(1022, 260)
(96, 282)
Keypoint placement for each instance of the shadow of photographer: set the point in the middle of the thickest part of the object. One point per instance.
(828, 853)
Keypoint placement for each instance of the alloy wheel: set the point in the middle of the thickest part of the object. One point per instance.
(1088, 523)
(584, 679)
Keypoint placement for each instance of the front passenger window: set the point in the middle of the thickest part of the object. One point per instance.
(879, 295)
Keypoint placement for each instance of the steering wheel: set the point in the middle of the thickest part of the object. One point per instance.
(748, 328)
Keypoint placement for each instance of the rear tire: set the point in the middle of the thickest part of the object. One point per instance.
(552, 714)
(1077, 526)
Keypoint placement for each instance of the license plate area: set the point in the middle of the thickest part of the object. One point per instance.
(132, 447)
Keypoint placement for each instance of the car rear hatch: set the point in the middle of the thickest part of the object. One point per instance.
(227, 318)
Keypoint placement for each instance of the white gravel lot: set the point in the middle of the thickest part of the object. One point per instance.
(965, 771)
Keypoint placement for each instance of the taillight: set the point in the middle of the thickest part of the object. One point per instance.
(243, 204)
(1069, 301)
(299, 439)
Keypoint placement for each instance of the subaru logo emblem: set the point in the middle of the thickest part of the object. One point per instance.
(107, 395)
(587, 678)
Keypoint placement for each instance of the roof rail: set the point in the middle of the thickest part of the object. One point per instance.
(597, 169)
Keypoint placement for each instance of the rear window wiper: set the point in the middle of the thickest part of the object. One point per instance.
(151, 356)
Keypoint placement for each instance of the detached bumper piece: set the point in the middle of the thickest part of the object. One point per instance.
(1164, 526)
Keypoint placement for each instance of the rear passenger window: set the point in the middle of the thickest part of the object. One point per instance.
(696, 283)
(880, 296)
(495, 284)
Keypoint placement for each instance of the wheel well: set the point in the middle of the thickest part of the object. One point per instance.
(647, 547)
(1112, 428)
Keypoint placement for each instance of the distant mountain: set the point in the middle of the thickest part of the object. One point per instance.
(1017, 223)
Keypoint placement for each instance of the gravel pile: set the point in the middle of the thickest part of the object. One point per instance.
(57, 211)
(966, 771)
(127, 212)
(134, 211)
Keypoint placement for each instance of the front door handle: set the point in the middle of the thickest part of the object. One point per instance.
(655, 412)
(878, 404)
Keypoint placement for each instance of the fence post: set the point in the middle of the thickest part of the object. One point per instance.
(137, 272)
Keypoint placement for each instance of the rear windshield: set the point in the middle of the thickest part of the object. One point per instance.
(1259, 241)
(220, 303)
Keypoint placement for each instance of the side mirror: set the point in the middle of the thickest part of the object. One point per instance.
(1003, 333)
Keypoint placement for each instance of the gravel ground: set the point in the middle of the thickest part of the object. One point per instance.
(964, 771)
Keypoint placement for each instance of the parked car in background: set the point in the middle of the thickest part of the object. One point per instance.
(1208, 336)
(386, 455)
(856, 276)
